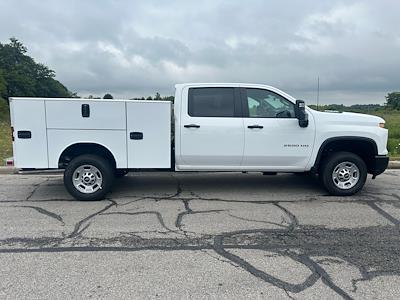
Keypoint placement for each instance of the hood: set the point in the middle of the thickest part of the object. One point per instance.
(348, 118)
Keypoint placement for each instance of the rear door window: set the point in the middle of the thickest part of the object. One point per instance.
(211, 102)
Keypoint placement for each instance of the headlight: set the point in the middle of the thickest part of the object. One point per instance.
(382, 125)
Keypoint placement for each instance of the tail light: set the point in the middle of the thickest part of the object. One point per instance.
(12, 133)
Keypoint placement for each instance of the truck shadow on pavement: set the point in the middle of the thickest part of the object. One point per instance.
(188, 213)
(221, 183)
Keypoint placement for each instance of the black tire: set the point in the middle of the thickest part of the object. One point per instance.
(106, 175)
(332, 162)
(119, 173)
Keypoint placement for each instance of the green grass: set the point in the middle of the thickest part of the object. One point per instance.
(5, 134)
(5, 141)
(393, 124)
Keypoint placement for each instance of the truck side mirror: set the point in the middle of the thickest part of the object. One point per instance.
(301, 114)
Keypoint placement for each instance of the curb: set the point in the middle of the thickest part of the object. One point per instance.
(11, 170)
(7, 170)
(394, 164)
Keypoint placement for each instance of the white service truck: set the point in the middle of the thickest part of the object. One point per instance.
(217, 127)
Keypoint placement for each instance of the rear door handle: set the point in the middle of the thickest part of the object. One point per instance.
(255, 127)
(192, 126)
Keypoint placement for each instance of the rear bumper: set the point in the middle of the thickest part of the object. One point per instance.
(379, 165)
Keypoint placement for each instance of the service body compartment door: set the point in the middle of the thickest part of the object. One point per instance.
(149, 134)
(28, 117)
(86, 114)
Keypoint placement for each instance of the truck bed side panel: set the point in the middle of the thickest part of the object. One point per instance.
(103, 123)
(113, 140)
(30, 143)
(149, 134)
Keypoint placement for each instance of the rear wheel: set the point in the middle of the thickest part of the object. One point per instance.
(88, 177)
(343, 174)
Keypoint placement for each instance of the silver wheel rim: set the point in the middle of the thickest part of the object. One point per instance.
(345, 175)
(87, 179)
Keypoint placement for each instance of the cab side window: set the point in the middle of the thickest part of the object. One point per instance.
(266, 104)
(211, 102)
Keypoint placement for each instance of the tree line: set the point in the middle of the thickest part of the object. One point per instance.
(156, 97)
(392, 103)
(393, 100)
(21, 76)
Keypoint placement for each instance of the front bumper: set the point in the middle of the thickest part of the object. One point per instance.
(379, 165)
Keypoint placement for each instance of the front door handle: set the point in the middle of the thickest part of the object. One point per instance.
(192, 126)
(255, 127)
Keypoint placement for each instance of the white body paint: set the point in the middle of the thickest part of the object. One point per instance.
(219, 144)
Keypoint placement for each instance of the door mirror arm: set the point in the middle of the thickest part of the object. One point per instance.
(301, 114)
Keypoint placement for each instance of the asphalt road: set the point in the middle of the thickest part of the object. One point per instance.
(165, 235)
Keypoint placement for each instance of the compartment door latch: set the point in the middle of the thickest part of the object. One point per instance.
(136, 135)
(85, 110)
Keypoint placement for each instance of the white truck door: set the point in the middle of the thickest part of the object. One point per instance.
(273, 138)
(211, 129)
(149, 134)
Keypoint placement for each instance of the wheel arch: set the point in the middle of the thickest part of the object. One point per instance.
(364, 147)
(81, 148)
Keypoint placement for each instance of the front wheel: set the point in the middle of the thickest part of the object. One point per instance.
(343, 174)
(88, 177)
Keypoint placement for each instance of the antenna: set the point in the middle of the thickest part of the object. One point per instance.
(318, 93)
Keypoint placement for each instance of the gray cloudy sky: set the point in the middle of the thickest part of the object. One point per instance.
(135, 48)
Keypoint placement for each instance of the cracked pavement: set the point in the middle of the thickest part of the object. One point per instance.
(200, 235)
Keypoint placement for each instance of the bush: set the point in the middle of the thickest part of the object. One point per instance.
(5, 134)
(4, 111)
(394, 147)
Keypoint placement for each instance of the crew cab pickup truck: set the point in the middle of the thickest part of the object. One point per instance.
(217, 127)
